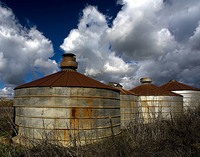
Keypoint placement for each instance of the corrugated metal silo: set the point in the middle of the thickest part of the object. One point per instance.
(128, 105)
(67, 106)
(191, 95)
(156, 102)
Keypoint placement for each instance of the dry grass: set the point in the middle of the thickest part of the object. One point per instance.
(178, 137)
(6, 116)
(6, 102)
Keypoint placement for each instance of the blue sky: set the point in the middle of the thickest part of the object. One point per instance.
(118, 41)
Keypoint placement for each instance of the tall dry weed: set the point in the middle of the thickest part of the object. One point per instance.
(179, 137)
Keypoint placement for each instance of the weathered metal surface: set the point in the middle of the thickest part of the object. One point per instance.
(157, 102)
(191, 98)
(128, 108)
(191, 95)
(66, 114)
(151, 107)
(128, 105)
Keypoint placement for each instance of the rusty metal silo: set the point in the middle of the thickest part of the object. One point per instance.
(191, 95)
(67, 106)
(156, 102)
(128, 105)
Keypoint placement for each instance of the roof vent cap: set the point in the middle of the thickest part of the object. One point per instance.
(172, 81)
(116, 85)
(68, 62)
(146, 80)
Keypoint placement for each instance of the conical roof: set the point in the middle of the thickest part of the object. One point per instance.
(173, 85)
(67, 77)
(148, 89)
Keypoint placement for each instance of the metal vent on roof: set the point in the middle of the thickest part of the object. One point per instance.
(146, 80)
(68, 62)
(119, 86)
(116, 85)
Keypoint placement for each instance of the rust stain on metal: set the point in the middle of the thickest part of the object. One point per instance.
(88, 113)
(74, 118)
(144, 103)
(56, 134)
(90, 105)
(57, 120)
(73, 112)
(65, 138)
(98, 111)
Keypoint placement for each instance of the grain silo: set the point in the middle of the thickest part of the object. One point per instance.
(191, 95)
(156, 102)
(128, 105)
(67, 107)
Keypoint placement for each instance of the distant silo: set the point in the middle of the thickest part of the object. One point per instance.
(155, 101)
(191, 95)
(128, 105)
(67, 107)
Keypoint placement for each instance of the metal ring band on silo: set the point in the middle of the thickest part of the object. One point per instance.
(70, 96)
(127, 112)
(129, 119)
(149, 112)
(180, 106)
(85, 107)
(160, 100)
(105, 117)
(105, 127)
(162, 112)
(128, 100)
(157, 106)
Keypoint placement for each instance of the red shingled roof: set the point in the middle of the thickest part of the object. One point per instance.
(174, 85)
(148, 89)
(66, 78)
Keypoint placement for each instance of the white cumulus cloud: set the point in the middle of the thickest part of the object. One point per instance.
(6, 92)
(95, 57)
(148, 38)
(22, 50)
